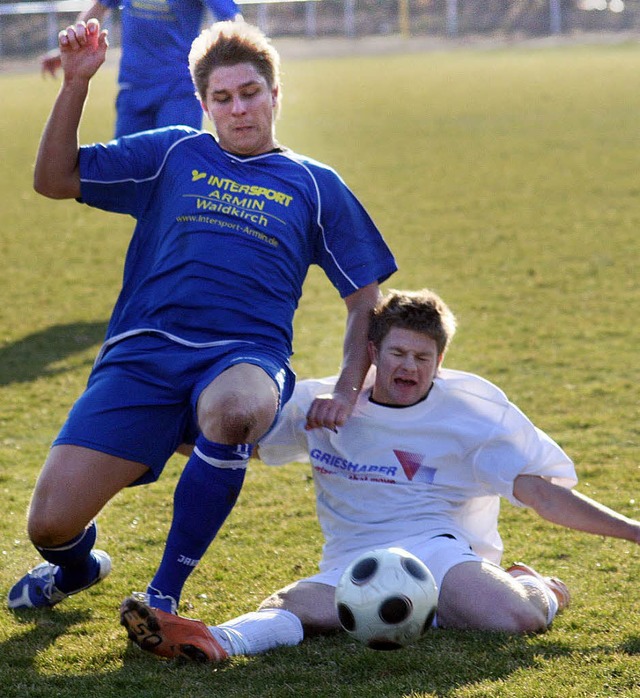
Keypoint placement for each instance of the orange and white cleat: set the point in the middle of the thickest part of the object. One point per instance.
(168, 635)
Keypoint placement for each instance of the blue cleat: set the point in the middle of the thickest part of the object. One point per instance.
(37, 588)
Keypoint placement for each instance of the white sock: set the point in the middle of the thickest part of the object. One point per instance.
(258, 632)
(528, 580)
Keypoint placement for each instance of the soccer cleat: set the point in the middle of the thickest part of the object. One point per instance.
(37, 588)
(155, 599)
(557, 586)
(168, 635)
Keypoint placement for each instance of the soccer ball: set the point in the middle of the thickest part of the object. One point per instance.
(386, 598)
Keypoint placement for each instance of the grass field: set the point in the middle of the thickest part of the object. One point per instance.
(505, 179)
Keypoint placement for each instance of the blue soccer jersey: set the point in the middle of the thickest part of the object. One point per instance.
(157, 37)
(222, 243)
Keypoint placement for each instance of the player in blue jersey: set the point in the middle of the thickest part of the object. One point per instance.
(154, 85)
(198, 345)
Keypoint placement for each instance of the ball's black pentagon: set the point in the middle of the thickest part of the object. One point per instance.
(395, 609)
(364, 570)
(346, 618)
(414, 568)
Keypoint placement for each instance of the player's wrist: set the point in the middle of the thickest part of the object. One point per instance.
(75, 84)
(348, 394)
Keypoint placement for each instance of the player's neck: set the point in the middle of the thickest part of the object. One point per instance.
(399, 407)
(242, 156)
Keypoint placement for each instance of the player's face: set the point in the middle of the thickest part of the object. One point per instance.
(242, 108)
(406, 364)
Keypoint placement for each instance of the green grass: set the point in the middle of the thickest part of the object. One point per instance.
(507, 180)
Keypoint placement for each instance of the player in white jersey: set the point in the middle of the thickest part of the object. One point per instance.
(421, 464)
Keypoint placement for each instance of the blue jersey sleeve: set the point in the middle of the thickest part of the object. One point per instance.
(353, 252)
(120, 175)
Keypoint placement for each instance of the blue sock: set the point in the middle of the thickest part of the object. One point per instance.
(77, 566)
(205, 495)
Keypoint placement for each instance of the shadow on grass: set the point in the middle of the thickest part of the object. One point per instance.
(36, 355)
(631, 645)
(17, 654)
(442, 664)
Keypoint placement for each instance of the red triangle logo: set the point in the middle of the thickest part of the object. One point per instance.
(410, 462)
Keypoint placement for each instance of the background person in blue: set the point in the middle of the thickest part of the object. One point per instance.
(198, 344)
(154, 84)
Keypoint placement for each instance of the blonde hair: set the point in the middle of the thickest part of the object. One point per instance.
(229, 43)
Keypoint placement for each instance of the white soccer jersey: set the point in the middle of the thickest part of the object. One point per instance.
(437, 467)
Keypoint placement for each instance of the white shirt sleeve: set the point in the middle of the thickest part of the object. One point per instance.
(517, 447)
(287, 441)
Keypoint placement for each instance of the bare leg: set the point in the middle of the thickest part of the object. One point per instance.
(481, 596)
(73, 487)
(311, 602)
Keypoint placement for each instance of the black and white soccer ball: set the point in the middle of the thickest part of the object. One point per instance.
(387, 598)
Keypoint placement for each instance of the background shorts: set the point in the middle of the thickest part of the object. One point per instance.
(142, 108)
(141, 397)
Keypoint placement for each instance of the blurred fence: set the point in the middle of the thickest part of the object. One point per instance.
(29, 28)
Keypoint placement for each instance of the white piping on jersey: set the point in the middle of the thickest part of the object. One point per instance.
(174, 338)
(157, 172)
(293, 158)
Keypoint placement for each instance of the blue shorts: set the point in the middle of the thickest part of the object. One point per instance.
(144, 108)
(140, 401)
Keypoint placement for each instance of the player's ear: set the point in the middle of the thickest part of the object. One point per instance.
(275, 94)
(373, 353)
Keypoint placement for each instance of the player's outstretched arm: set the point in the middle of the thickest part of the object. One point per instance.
(573, 510)
(332, 412)
(83, 49)
(51, 62)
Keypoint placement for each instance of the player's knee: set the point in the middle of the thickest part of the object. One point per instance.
(234, 425)
(520, 619)
(237, 420)
(525, 621)
(53, 520)
(48, 529)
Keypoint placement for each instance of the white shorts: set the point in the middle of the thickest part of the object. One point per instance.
(439, 554)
